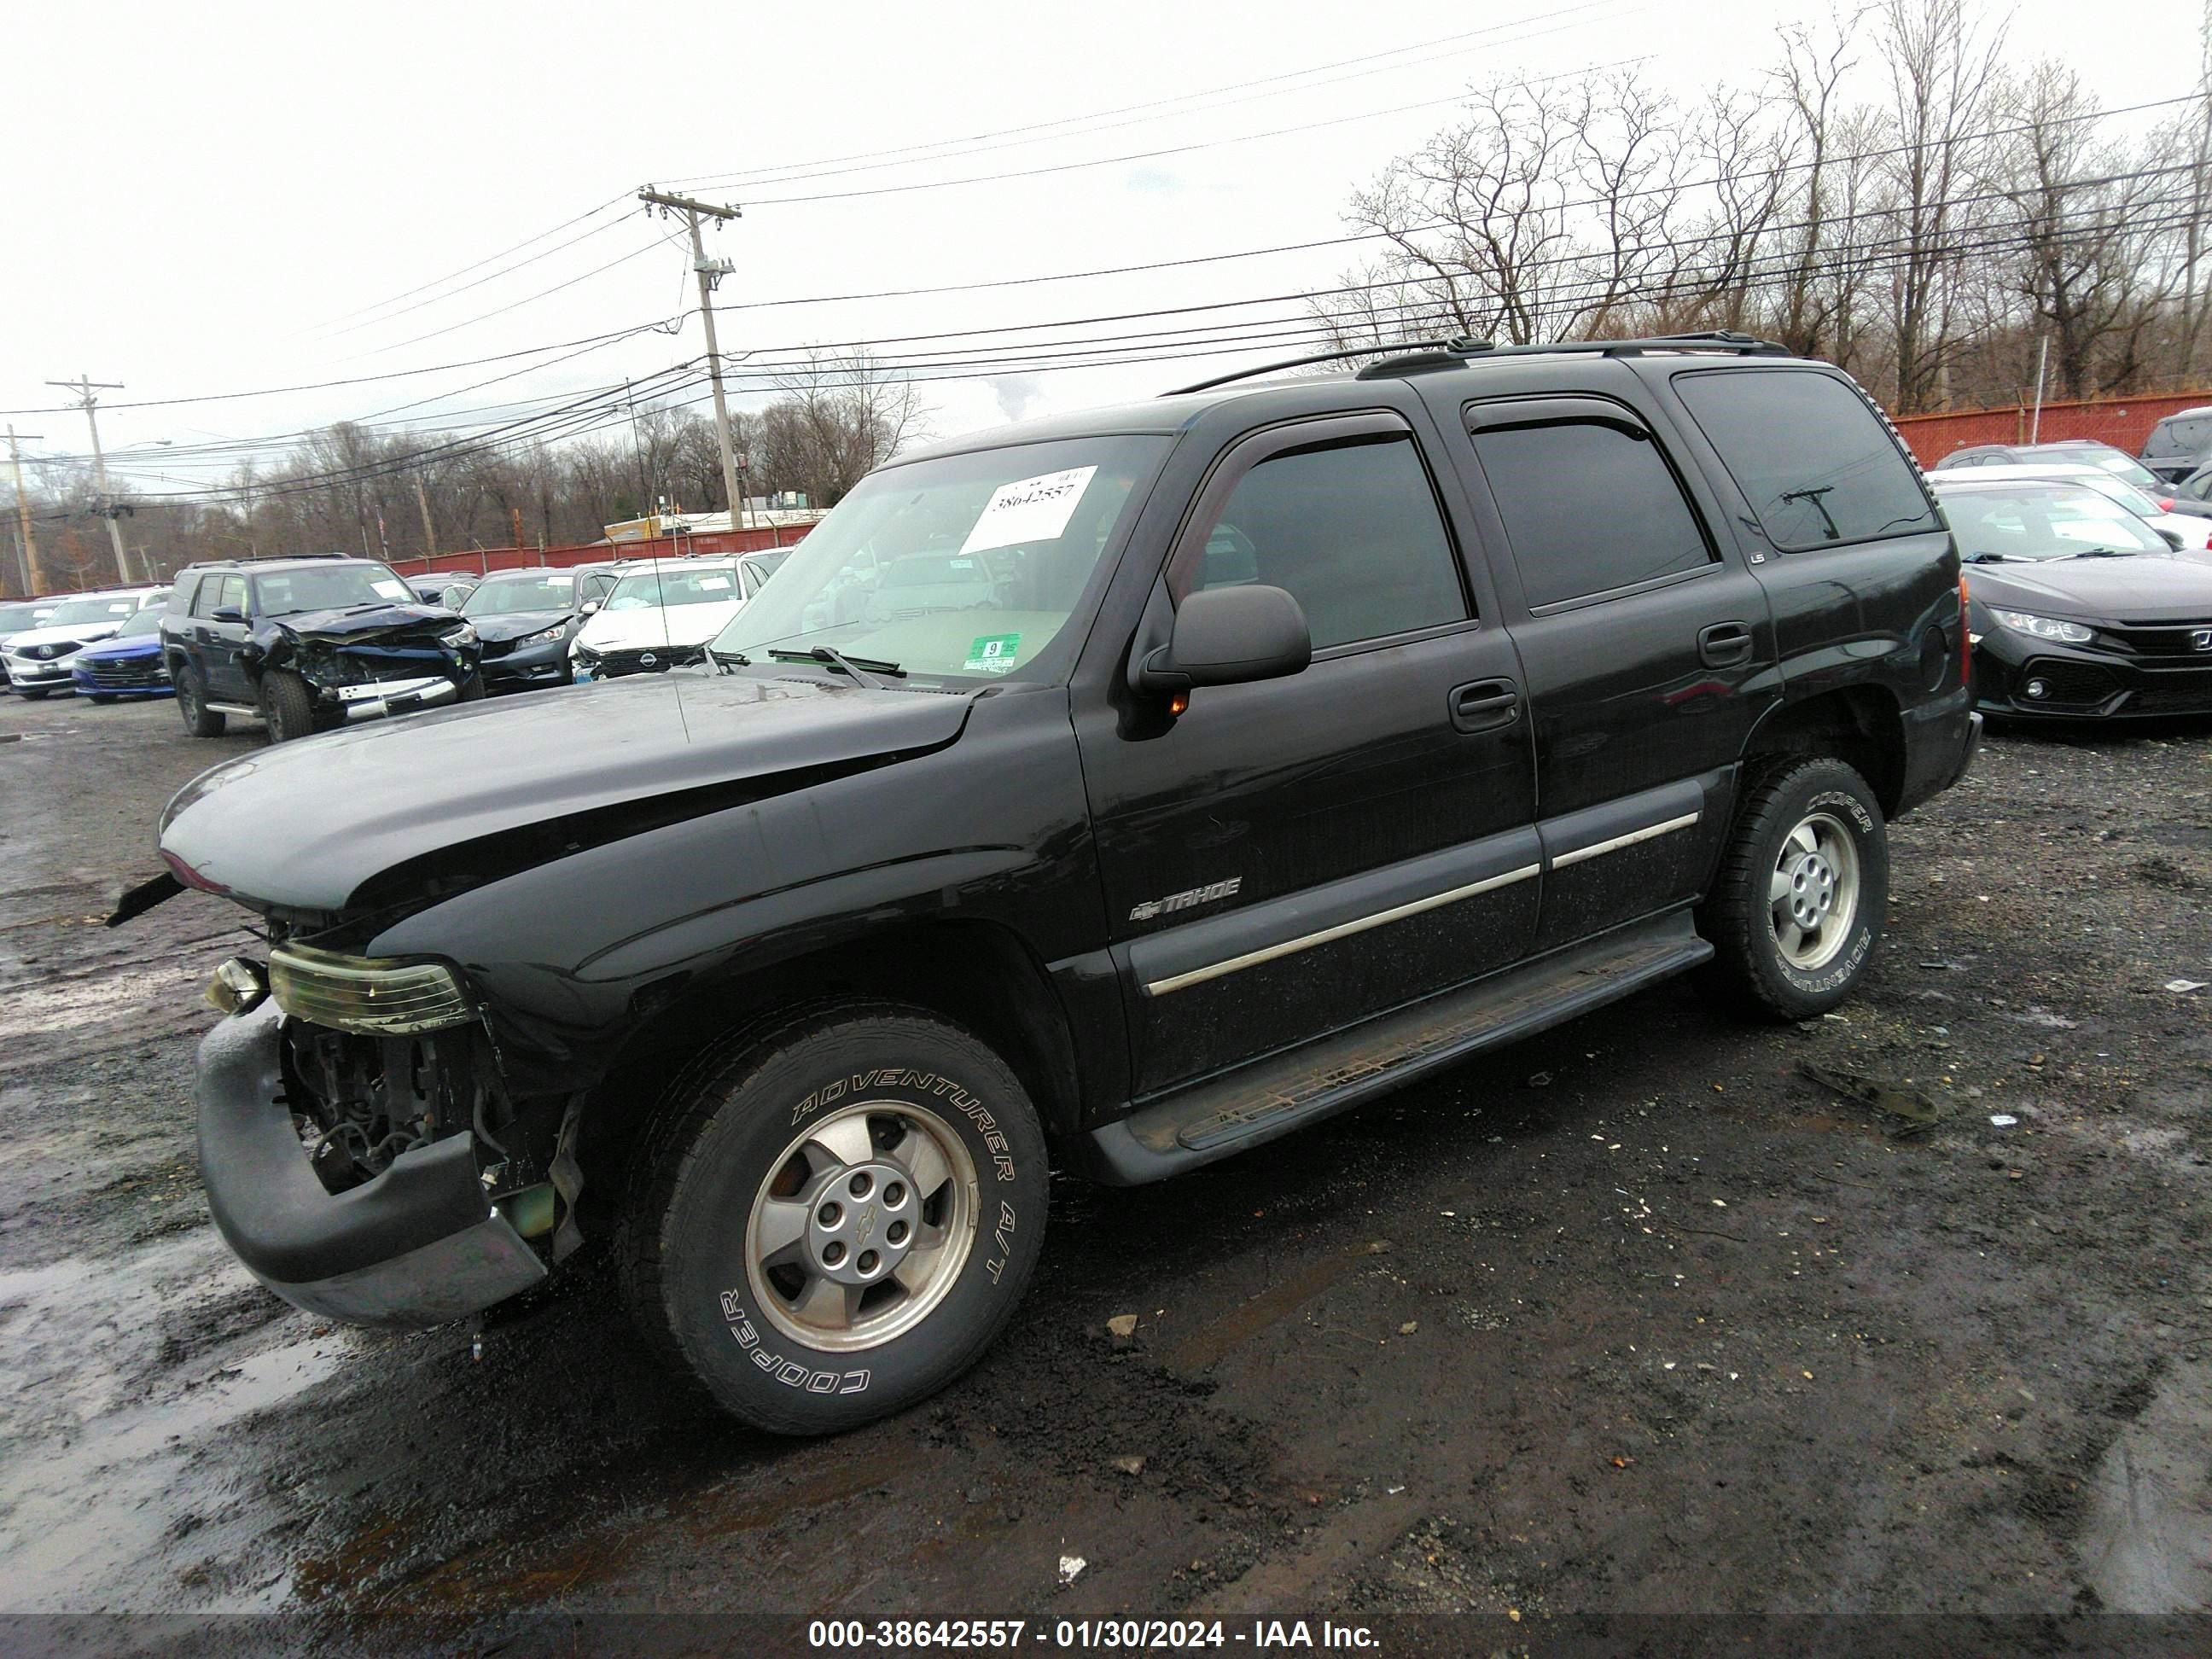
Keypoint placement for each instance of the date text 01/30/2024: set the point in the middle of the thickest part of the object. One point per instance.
(904, 1635)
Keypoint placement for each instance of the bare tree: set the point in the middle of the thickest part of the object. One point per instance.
(1940, 66)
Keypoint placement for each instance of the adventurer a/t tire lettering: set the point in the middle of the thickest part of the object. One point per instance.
(832, 1217)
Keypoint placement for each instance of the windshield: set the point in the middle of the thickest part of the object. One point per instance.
(327, 587)
(646, 590)
(2042, 521)
(970, 565)
(2125, 466)
(503, 596)
(143, 623)
(21, 619)
(77, 612)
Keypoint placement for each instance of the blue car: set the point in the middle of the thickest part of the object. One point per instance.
(127, 664)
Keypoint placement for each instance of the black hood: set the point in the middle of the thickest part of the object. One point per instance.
(363, 621)
(390, 812)
(2141, 588)
(514, 624)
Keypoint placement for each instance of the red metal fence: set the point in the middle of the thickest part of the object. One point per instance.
(485, 560)
(2124, 422)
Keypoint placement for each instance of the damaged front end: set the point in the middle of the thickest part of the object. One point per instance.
(362, 665)
(362, 1154)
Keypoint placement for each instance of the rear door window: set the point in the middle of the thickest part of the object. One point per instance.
(1817, 465)
(1591, 507)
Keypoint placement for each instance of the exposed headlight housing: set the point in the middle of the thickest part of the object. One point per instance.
(583, 654)
(464, 635)
(544, 636)
(2044, 628)
(238, 985)
(376, 996)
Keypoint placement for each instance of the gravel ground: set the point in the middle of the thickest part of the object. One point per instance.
(1634, 1318)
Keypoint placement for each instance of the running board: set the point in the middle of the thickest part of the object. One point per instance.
(1273, 1097)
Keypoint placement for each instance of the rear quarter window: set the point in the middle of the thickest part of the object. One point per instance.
(1817, 466)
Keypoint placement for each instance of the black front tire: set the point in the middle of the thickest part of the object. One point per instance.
(472, 689)
(287, 706)
(192, 703)
(1798, 907)
(734, 1138)
(103, 698)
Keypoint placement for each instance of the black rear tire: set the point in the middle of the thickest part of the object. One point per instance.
(1798, 907)
(287, 706)
(734, 1139)
(191, 702)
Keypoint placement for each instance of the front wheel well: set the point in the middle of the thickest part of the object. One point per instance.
(980, 976)
(1859, 726)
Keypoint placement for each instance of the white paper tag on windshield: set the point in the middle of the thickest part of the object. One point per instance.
(391, 590)
(715, 582)
(1029, 509)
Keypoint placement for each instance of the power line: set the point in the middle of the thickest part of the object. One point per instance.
(1014, 137)
(665, 325)
(1170, 149)
(441, 281)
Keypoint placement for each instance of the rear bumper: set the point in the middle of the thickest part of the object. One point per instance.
(1941, 738)
(419, 1245)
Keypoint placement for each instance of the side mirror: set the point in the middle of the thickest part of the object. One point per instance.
(228, 613)
(589, 606)
(2172, 537)
(1227, 636)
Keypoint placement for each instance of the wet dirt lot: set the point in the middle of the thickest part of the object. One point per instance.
(1633, 1318)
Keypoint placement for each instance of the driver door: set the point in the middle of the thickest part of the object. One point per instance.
(1291, 856)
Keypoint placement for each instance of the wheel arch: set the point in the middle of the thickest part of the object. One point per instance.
(1862, 726)
(1001, 994)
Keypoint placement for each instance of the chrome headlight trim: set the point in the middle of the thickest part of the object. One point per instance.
(2044, 628)
(373, 996)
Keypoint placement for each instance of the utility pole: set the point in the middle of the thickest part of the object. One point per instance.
(33, 578)
(422, 501)
(709, 272)
(84, 386)
(637, 454)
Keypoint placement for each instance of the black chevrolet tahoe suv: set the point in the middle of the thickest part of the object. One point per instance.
(1119, 791)
(305, 645)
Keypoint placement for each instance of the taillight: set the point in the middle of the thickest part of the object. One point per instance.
(1965, 637)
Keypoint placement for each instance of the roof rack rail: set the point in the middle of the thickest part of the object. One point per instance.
(1302, 362)
(1455, 354)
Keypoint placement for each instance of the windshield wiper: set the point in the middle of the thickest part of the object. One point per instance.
(1998, 558)
(863, 669)
(728, 659)
(2105, 553)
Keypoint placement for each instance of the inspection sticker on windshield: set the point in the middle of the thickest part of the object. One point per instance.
(1029, 509)
(991, 654)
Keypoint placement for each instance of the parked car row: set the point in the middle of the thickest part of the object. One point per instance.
(42, 640)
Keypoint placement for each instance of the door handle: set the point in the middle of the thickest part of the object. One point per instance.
(1485, 705)
(1724, 645)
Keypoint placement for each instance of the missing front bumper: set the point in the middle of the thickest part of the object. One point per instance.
(418, 1245)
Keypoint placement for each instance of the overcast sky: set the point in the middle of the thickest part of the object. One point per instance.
(223, 197)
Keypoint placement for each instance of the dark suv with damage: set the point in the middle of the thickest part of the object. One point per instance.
(309, 645)
(1247, 753)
